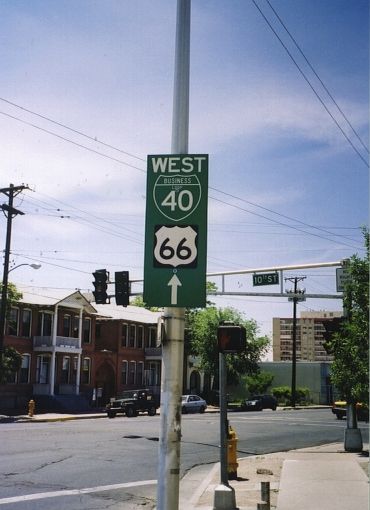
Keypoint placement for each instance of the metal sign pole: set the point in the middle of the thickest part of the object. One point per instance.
(173, 345)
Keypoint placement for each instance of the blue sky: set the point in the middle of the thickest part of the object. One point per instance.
(105, 69)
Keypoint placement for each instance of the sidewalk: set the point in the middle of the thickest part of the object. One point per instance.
(324, 477)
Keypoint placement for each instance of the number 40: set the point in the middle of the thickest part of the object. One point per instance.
(184, 200)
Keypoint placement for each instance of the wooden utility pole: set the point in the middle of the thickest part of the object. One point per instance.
(10, 212)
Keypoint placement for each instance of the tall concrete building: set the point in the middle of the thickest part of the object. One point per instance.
(309, 336)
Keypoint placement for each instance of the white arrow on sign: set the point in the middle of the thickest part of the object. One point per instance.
(174, 283)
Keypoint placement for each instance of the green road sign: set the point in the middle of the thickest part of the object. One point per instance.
(265, 279)
(176, 230)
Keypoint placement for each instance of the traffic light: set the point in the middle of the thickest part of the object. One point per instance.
(122, 288)
(101, 279)
(231, 338)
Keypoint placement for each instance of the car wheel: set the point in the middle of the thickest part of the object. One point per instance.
(152, 411)
(130, 412)
(340, 416)
(111, 414)
(274, 408)
(202, 409)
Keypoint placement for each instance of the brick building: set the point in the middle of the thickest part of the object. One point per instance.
(72, 348)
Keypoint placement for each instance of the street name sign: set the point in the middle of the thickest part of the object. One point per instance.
(265, 279)
(176, 230)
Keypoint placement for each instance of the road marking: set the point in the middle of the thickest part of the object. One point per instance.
(75, 492)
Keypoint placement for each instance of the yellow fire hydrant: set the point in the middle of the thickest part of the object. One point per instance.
(31, 408)
(232, 465)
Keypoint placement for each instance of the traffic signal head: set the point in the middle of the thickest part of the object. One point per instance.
(231, 339)
(122, 288)
(101, 278)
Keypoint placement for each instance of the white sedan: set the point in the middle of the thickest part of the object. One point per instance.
(193, 404)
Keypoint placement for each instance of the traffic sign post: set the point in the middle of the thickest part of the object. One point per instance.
(176, 230)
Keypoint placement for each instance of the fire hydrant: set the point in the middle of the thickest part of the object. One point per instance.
(232, 465)
(31, 408)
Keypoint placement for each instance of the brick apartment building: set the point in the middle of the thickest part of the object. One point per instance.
(72, 348)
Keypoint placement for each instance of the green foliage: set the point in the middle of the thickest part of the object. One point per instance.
(284, 395)
(258, 383)
(138, 301)
(350, 346)
(10, 362)
(202, 336)
(13, 296)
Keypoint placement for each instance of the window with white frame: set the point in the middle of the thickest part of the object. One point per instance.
(139, 373)
(86, 335)
(24, 372)
(132, 372)
(66, 325)
(75, 326)
(13, 320)
(124, 335)
(132, 335)
(66, 365)
(86, 371)
(45, 324)
(42, 369)
(140, 337)
(26, 322)
(124, 370)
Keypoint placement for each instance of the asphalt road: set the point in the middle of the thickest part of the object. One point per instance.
(103, 463)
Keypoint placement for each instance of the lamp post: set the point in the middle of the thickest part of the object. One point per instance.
(34, 266)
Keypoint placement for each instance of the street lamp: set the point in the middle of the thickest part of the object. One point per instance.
(34, 266)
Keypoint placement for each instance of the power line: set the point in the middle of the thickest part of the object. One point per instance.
(312, 87)
(318, 77)
(72, 142)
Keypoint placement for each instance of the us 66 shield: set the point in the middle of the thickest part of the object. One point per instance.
(176, 230)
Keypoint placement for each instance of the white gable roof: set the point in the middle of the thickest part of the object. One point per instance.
(129, 313)
(52, 297)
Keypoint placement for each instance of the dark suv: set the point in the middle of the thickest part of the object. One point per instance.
(133, 402)
(259, 402)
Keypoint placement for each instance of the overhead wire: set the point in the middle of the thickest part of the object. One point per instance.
(311, 86)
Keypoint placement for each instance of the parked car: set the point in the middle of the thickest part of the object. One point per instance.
(133, 402)
(259, 402)
(339, 408)
(193, 404)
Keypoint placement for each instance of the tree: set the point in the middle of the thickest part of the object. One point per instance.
(258, 383)
(202, 333)
(350, 345)
(10, 359)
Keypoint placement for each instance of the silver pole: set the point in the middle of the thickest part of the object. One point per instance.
(223, 420)
(174, 318)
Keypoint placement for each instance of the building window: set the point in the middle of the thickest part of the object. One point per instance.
(13, 322)
(124, 335)
(140, 373)
(132, 338)
(87, 330)
(76, 326)
(24, 373)
(152, 337)
(74, 370)
(86, 370)
(66, 325)
(26, 323)
(132, 372)
(124, 372)
(65, 370)
(140, 337)
(45, 324)
(42, 369)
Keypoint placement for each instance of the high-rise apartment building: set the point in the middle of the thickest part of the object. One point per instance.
(309, 336)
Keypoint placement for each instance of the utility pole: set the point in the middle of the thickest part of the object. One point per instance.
(9, 212)
(295, 298)
(174, 317)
